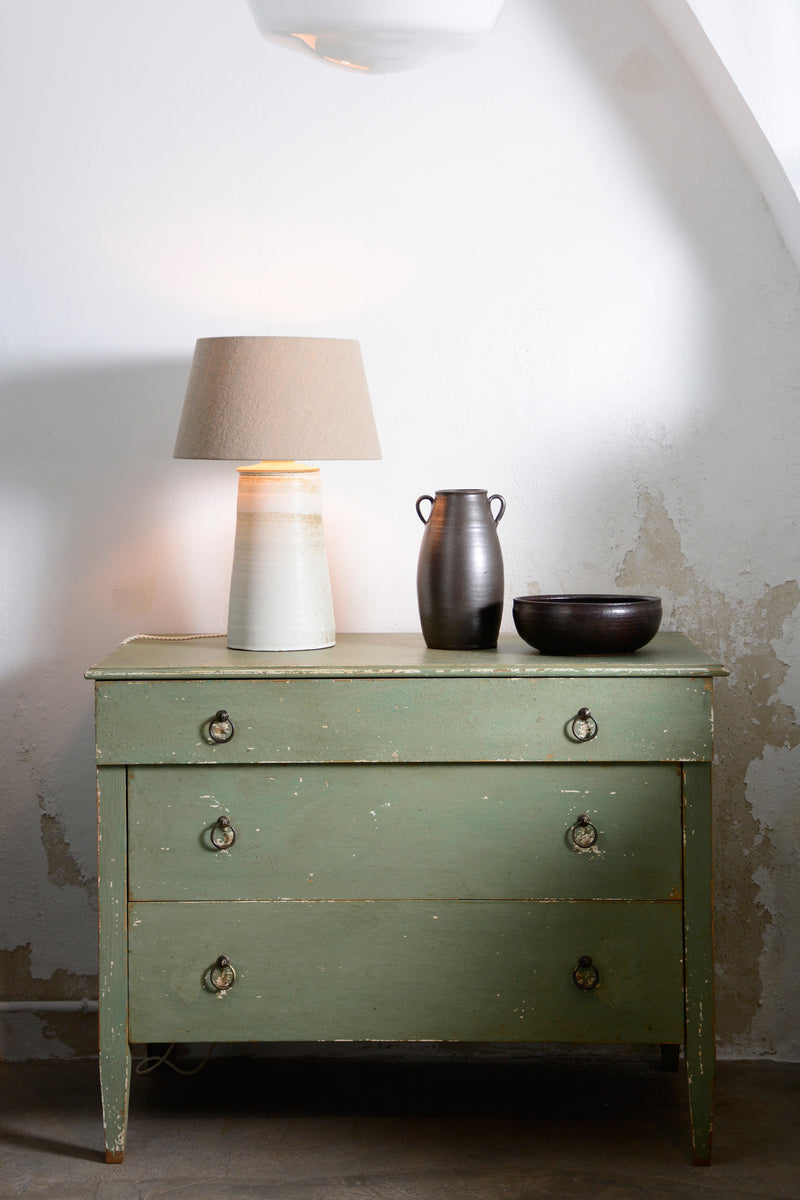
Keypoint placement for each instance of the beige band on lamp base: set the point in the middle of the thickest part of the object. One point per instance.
(280, 587)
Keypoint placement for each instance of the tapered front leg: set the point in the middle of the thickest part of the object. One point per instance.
(115, 1054)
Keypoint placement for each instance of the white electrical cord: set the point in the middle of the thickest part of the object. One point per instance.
(169, 637)
(148, 1065)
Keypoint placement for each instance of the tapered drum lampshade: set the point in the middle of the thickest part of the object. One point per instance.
(276, 400)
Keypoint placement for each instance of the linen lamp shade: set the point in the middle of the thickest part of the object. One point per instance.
(277, 398)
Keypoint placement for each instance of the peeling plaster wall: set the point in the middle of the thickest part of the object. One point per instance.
(567, 289)
(756, 782)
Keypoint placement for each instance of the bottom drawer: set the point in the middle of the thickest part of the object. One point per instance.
(406, 970)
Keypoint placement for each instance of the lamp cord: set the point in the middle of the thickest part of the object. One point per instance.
(169, 637)
(148, 1065)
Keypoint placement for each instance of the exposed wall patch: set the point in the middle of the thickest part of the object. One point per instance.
(757, 736)
(56, 1035)
(62, 868)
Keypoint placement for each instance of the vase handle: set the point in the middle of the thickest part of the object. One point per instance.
(499, 516)
(419, 510)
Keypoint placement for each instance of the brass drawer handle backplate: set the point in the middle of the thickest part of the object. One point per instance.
(221, 728)
(223, 835)
(584, 833)
(586, 974)
(222, 976)
(584, 726)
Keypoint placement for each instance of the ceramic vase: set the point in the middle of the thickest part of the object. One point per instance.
(460, 570)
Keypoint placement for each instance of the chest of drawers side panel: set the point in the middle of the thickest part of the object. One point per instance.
(401, 720)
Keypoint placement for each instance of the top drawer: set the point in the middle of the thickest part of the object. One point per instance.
(404, 720)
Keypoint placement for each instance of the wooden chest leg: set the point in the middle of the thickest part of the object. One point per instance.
(115, 1076)
(699, 959)
(115, 1055)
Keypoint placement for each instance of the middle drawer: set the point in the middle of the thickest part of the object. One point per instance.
(404, 831)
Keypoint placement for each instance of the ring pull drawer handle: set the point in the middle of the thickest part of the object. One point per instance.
(223, 835)
(222, 976)
(584, 726)
(221, 728)
(586, 974)
(584, 833)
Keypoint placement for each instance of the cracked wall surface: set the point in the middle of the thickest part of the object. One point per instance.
(48, 915)
(756, 783)
(45, 1034)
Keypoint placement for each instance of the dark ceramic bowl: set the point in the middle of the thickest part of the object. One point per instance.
(587, 624)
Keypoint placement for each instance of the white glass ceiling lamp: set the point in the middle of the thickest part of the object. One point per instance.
(376, 35)
(278, 399)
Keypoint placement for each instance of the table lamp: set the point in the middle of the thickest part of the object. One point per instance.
(276, 399)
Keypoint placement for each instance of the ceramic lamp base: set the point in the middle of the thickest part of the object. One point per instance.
(280, 587)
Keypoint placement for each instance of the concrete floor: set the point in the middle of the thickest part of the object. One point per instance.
(477, 1125)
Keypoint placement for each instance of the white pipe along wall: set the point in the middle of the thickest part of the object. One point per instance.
(568, 288)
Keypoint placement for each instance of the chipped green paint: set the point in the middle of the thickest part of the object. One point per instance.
(455, 788)
(115, 1054)
(699, 962)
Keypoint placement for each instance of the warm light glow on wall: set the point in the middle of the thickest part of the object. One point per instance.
(284, 271)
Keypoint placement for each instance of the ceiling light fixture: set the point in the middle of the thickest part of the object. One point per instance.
(376, 36)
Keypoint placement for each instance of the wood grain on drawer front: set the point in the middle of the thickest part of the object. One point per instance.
(471, 971)
(420, 720)
(404, 831)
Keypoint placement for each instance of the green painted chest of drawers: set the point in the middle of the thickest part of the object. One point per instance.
(383, 842)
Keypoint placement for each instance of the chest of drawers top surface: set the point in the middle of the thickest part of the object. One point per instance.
(388, 699)
(392, 655)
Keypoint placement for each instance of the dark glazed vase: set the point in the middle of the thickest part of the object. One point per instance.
(460, 571)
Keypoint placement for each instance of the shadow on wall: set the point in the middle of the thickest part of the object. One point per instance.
(88, 557)
(719, 503)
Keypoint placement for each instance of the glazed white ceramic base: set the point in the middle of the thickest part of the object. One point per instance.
(280, 587)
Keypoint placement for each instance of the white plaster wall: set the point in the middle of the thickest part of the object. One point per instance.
(758, 40)
(744, 56)
(567, 289)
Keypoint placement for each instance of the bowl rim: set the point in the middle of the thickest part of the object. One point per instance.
(606, 599)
